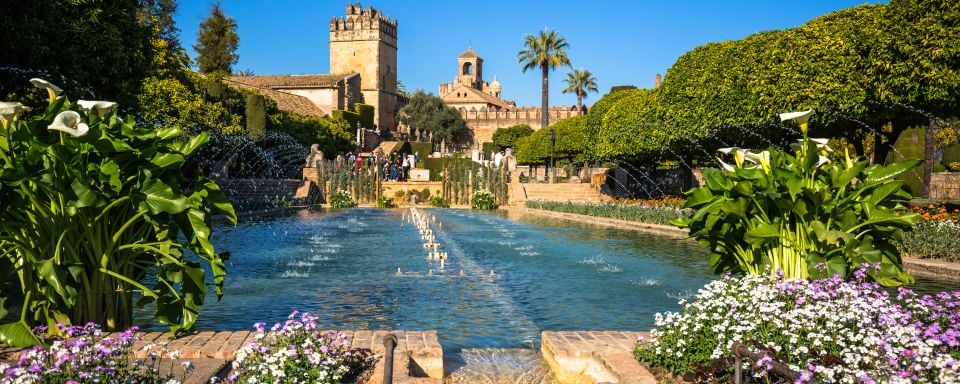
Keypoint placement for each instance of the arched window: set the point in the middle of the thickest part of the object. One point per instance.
(467, 68)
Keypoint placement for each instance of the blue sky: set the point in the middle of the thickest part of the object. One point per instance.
(621, 42)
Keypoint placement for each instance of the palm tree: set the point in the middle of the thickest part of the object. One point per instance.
(580, 81)
(546, 51)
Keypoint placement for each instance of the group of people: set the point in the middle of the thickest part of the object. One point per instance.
(394, 167)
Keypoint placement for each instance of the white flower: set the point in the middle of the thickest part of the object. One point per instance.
(9, 110)
(801, 118)
(52, 90)
(69, 122)
(100, 106)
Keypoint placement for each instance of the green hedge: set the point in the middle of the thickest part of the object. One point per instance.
(909, 146)
(352, 118)
(364, 114)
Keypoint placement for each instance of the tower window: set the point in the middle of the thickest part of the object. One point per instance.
(467, 68)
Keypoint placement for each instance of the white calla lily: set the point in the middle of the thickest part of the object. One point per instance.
(69, 123)
(727, 151)
(821, 160)
(762, 158)
(52, 90)
(725, 166)
(9, 110)
(102, 107)
(801, 118)
(737, 154)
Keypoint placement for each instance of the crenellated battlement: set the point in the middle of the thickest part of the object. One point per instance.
(359, 19)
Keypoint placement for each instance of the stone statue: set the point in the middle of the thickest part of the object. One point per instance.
(315, 155)
(511, 160)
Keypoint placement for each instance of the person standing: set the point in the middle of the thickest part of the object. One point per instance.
(497, 159)
(339, 162)
(406, 167)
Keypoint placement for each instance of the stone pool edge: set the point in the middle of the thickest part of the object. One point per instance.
(930, 269)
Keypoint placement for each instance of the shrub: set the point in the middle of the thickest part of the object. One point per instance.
(439, 202)
(385, 202)
(644, 213)
(93, 208)
(86, 355)
(341, 199)
(829, 330)
(933, 239)
(483, 199)
(295, 351)
(773, 211)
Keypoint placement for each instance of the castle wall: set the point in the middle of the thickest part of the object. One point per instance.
(484, 123)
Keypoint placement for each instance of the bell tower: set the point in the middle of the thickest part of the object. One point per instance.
(470, 69)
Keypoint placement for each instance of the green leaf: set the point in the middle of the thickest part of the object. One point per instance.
(877, 174)
(219, 200)
(164, 160)
(193, 143)
(762, 233)
(161, 198)
(201, 231)
(50, 273)
(168, 133)
(85, 196)
(17, 335)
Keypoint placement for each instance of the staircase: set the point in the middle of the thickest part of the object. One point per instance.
(267, 193)
(520, 193)
(388, 147)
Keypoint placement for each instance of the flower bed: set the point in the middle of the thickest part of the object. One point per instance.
(642, 212)
(295, 351)
(829, 330)
(84, 355)
(933, 239)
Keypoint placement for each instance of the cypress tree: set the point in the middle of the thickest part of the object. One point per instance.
(217, 42)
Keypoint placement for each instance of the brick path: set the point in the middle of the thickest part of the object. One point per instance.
(594, 357)
(418, 356)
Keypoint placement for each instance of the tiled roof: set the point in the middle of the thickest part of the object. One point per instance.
(289, 81)
(287, 102)
(473, 96)
(469, 54)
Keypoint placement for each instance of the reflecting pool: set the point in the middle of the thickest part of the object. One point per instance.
(505, 279)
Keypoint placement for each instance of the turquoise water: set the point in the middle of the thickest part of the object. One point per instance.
(547, 274)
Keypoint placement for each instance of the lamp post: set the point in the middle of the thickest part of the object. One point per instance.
(553, 140)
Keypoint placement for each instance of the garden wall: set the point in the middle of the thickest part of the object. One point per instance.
(945, 186)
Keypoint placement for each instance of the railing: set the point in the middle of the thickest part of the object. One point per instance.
(389, 343)
(740, 351)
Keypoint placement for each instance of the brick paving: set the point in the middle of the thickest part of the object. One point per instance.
(418, 355)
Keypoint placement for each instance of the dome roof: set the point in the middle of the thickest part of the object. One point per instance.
(494, 83)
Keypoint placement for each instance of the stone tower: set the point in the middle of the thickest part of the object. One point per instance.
(470, 69)
(365, 42)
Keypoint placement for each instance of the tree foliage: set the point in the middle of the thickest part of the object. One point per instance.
(871, 71)
(628, 129)
(93, 49)
(580, 82)
(425, 112)
(217, 42)
(508, 137)
(547, 50)
(571, 142)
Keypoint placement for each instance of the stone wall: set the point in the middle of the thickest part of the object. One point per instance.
(365, 42)
(945, 186)
(485, 122)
